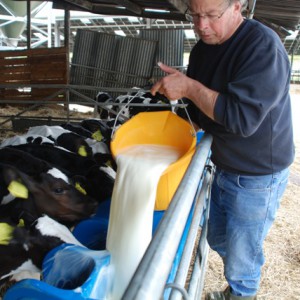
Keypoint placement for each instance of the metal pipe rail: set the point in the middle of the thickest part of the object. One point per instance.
(198, 226)
(69, 90)
(152, 273)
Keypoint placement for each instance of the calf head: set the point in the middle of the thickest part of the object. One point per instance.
(48, 193)
(101, 132)
(100, 182)
(60, 200)
(104, 110)
(74, 143)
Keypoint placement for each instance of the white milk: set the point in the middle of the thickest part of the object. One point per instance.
(132, 206)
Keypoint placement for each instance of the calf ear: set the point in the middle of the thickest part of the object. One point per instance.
(80, 188)
(10, 173)
(21, 236)
(78, 180)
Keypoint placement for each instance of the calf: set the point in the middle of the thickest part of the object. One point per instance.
(97, 180)
(77, 128)
(98, 147)
(74, 143)
(106, 101)
(51, 132)
(101, 132)
(63, 138)
(144, 98)
(43, 189)
(94, 141)
(22, 249)
(26, 139)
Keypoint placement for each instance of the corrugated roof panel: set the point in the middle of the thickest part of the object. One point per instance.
(107, 60)
(170, 47)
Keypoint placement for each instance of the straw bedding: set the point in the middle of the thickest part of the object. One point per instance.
(281, 272)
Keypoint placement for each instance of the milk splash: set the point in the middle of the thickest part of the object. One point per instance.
(132, 206)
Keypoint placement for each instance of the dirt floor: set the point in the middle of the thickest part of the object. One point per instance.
(281, 272)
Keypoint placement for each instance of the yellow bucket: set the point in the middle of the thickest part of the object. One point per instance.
(159, 128)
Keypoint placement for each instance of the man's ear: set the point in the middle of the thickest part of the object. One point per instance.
(237, 6)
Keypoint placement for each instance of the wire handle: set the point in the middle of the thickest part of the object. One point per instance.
(138, 94)
(194, 133)
(173, 104)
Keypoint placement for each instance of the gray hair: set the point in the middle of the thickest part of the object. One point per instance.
(244, 4)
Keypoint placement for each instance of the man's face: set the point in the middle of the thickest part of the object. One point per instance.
(215, 20)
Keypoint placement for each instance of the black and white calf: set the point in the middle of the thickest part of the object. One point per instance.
(26, 139)
(96, 179)
(106, 101)
(22, 250)
(63, 138)
(89, 143)
(31, 187)
(124, 106)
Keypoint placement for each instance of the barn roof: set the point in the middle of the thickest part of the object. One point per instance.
(281, 15)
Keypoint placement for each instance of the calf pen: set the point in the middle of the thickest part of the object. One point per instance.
(174, 264)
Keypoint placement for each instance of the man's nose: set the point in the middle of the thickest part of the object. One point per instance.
(201, 22)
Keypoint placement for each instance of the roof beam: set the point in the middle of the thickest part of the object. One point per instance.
(116, 7)
(114, 10)
(129, 6)
(83, 4)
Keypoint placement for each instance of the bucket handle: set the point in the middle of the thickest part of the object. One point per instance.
(173, 104)
(173, 108)
(138, 94)
(194, 133)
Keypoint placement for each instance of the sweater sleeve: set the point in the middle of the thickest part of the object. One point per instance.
(261, 72)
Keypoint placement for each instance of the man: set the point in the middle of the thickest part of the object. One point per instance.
(237, 86)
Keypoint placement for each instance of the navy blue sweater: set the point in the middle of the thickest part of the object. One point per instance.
(252, 132)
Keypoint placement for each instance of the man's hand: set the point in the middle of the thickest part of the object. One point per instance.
(176, 85)
(173, 86)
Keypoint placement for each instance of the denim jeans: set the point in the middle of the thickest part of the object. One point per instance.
(242, 211)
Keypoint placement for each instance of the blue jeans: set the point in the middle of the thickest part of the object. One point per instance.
(242, 210)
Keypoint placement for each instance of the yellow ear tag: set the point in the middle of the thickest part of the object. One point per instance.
(21, 223)
(108, 163)
(82, 151)
(18, 189)
(80, 188)
(5, 233)
(97, 135)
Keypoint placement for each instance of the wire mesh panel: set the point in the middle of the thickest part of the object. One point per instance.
(134, 62)
(170, 47)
